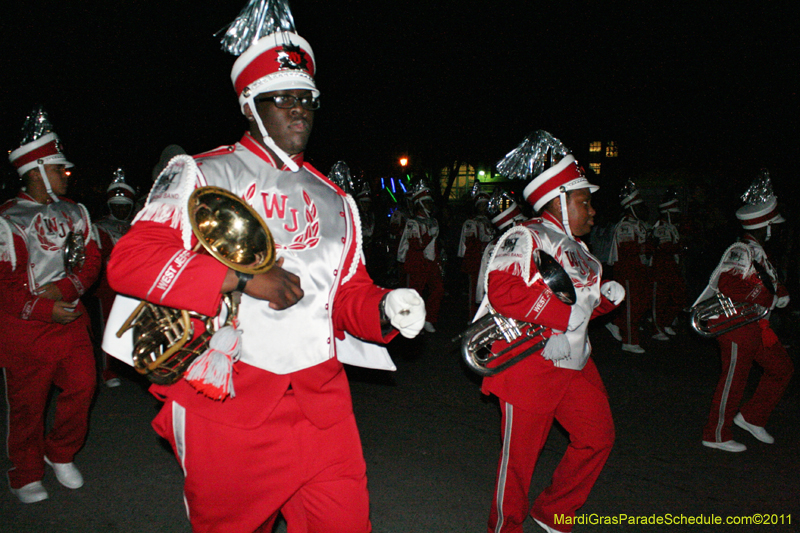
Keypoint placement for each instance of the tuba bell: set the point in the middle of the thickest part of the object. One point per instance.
(164, 340)
(478, 338)
(703, 315)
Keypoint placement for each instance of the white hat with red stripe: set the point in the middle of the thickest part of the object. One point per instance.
(566, 175)
(553, 168)
(761, 207)
(118, 191)
(40, 145)
(502, 209)
(272, 57)
(629, 195)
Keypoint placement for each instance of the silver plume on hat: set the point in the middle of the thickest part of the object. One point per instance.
(36, 125)
(340, 175)
(499, 201)
(760, 191)
(257, 19)
(628, 189)
(535, 154)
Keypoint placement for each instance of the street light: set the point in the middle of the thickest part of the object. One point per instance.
(404, 161)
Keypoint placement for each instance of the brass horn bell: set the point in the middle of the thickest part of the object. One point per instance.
(231, 231)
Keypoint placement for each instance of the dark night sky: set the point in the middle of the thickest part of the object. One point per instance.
(704, 88)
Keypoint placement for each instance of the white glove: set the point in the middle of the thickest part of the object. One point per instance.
(613, 291)
(557, 348)
(782, 302)
(405, 309)
(577, 318)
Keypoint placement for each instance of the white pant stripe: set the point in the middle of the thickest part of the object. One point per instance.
(723, 401)
(503, 474)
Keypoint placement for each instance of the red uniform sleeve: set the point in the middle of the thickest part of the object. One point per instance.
(356, 308)
(606, 306)
(513, 298)
(150, 263)
(744, 290)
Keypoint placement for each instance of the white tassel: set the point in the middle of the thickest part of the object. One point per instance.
(212, 372)
(557, 348)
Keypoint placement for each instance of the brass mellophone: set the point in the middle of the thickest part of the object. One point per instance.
(234, 234)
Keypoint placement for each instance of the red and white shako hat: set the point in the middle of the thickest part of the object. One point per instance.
(566, 175)
(479, 196)
(761, 204)
(40, 145)
(421, 192)
(120, 192)
(669, 203)
(629, 195)
(553, 168)
(272, 57)
(503, 210)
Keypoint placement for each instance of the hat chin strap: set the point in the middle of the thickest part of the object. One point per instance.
(46, 181)
(286, 158)
(562, 194)
(769, 232)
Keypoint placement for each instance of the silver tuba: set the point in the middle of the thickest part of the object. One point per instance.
(164, 340)
(703, 315)
(477, 340)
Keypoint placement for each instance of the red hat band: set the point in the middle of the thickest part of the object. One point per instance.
(507, 217)
(546, 186)
(47, 149)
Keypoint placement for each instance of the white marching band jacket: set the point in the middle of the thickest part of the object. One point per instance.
(513, 254)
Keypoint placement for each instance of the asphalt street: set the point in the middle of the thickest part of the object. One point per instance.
(431, 442)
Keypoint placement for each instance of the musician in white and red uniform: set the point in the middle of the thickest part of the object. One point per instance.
(285, 439)
(476, 233)
(120, 198)
(505, 212)
(745, 274)
(669, 290)
(631, 256)
(559, 382)
(421, 254)
(45, 333)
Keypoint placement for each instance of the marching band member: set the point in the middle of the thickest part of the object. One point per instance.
(746, 275)
(476, 233)
(285, 440)
(631, 256)
(505, 212)
(45, 333)
(120, 198)
(421, 254)
(669, 290)
(559, 382)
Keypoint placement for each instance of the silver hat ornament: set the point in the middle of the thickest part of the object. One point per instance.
(760, 191)
(37, 124)
(257, 19)
(341, 176)
(535, 154)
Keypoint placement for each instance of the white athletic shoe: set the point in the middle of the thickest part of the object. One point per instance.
(429, 327)
(727, 446)
(757, 431)
(632, 348)
(67, 474)
(660, 336)
(669, 331)
(614, 330)
(31, 493)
